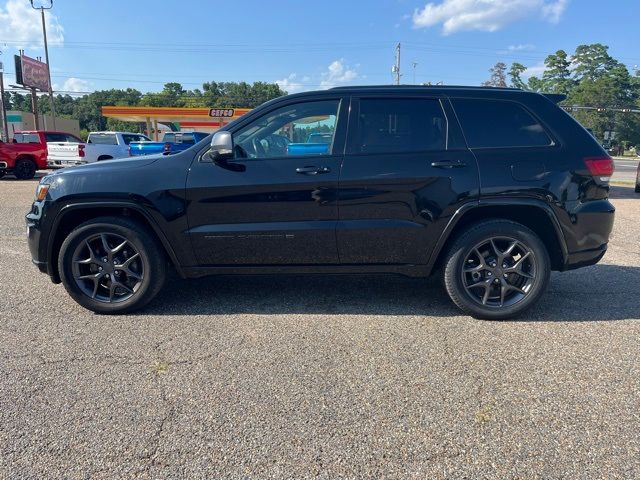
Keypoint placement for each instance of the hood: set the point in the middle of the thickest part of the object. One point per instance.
(107, 166)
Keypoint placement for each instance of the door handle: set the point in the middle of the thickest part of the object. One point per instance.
(312, 170)
(449, 164)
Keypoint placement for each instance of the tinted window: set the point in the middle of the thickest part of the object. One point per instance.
(186, 138)
(300, 129)
(400, 125)
(61, 138)
(128, 138)
(26, 138)
(490, 123)
(103, 139)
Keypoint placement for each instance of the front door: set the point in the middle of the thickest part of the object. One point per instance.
(406, 171)
(275, 202)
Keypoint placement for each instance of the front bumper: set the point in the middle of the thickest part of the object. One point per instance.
(35, 238)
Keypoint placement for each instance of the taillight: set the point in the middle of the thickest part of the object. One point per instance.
(81, 151)
(600, 166)
(166, 149)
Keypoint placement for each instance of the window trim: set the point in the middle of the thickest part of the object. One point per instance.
(351, 147)
(554, 141)
(339, 141)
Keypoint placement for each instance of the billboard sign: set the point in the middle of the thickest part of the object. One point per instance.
(32, 73)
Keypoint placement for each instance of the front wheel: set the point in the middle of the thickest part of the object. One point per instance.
(112, 265)
(496, 270)
(25, 169)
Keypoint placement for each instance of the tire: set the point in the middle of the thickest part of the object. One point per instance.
(104, 157)
(486, 287)
(103, 292)
(2, 173)
(24, 169)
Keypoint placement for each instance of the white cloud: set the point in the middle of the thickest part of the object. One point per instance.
(485, 15)
(338, 73)
(73, 84)
(290, 84)
(534, 71)
(23, 25)
(527, 47)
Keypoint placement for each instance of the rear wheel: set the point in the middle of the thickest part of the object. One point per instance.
(2, 173)
(496, 270)
(104, 157)
(112, 265)
(24, 169)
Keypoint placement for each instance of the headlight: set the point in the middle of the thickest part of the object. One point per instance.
(41, 191)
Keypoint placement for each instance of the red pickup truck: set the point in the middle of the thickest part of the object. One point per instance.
(28, 152)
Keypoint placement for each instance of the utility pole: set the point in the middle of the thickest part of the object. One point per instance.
(414, 64)
(34, 107)
(42, 8)
(396, 67)
(5, 124)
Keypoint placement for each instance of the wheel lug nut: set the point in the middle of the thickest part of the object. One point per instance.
(496, 281)
(99, 269)
(489, 274)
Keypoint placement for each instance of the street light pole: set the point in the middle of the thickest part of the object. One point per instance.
(42, 8)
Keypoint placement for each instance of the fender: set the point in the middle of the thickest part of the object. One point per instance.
(132, 206)
(497, 202)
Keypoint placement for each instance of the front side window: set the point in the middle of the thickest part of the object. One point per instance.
(399, 125)
(294, 130)
(496, 124)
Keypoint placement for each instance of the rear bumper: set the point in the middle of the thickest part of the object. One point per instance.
(588, 235)
(55, 163)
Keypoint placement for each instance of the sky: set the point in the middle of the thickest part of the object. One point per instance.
(305, 45)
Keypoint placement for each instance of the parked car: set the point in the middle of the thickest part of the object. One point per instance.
(172, 142)
(492, 187)
(28, 152)
(99, 146)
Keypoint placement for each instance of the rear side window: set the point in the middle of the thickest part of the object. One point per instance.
(61, 138)
(400, 125)
(128, 138)
(496, 124)
(103, 139)
(26, 138)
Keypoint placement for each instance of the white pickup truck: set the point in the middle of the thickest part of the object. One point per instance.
(99, 146)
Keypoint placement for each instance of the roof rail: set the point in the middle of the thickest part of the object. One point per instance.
(470, 87)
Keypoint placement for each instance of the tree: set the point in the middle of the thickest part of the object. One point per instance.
(515, 73)
(557, 75)
(592, 61)
(498, 76)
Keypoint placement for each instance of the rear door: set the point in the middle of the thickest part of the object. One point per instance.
(405, 173)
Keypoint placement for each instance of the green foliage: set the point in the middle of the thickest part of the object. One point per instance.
(87, 109)
(590, 77)
(515, 72)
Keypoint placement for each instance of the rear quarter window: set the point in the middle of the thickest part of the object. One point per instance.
(103, 139)
(26, 138)
(499, 124)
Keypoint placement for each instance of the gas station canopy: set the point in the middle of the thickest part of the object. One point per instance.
(200, 119)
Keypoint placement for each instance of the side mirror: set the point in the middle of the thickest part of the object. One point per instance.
(221, 152)
(221, 147)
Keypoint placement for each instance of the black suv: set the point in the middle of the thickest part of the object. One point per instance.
(494, 188)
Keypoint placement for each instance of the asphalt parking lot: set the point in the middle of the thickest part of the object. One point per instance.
(334, 377)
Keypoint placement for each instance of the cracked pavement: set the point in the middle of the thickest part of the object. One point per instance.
(331, 376)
